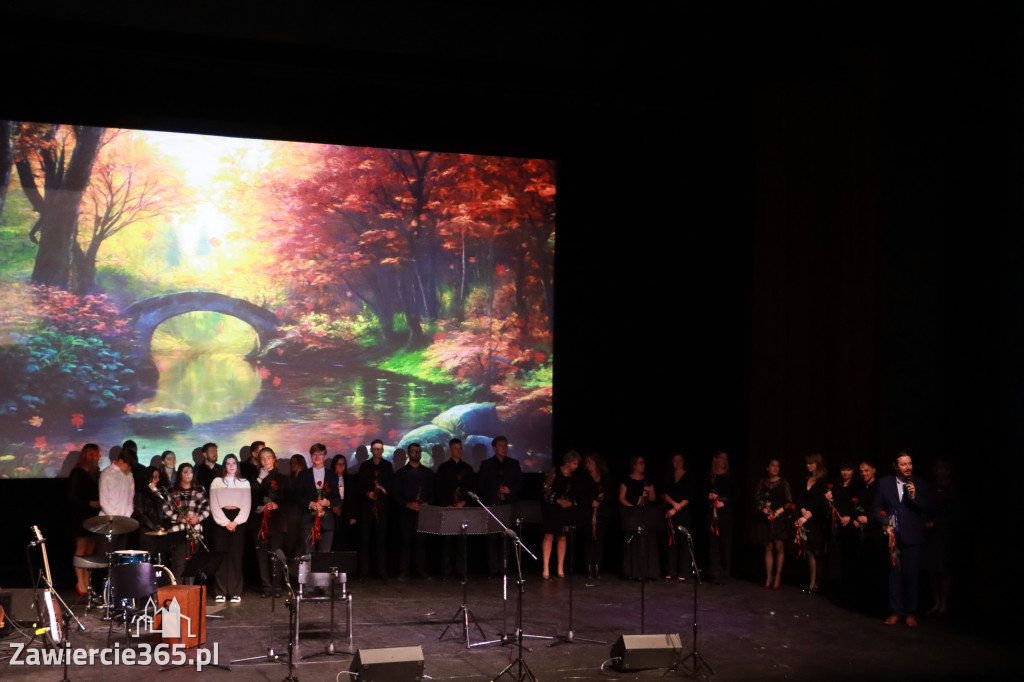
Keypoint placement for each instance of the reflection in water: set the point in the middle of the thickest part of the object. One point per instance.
(208, 387)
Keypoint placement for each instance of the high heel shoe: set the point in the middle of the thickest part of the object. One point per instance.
(80, 591)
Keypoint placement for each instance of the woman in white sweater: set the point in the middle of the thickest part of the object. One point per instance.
(230, 502)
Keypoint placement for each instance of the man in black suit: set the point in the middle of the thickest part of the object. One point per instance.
(375, 487)
(316, 491)
(500, 480)
(900, 507)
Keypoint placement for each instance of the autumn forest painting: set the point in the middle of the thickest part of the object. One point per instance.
(175, 289)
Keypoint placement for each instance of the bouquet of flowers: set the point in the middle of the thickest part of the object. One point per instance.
(323, 491)
(890, 531)
(271, 496)
(857, 510)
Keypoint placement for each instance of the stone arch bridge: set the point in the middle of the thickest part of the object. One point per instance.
(149, 313)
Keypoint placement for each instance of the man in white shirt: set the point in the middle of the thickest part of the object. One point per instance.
(117, 492)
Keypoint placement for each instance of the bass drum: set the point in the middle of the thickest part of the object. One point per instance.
(164, 577)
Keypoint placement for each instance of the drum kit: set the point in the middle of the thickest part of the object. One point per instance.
(138, 565)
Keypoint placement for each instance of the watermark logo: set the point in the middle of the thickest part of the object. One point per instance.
(165, 621)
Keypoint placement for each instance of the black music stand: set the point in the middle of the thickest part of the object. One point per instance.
(203, 566)
(460, 521)
(639, 523)
(334, 563)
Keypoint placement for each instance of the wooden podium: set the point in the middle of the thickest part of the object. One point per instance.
(192, 601)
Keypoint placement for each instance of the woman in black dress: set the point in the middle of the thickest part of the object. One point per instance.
(677, 495)
(596, 495)
(84, 495)
(345, 512)
(721, 498)
(149, 512)
(270, 495)
(640, 554)
(560, 497)
(811, 524)
(773, 502)
(843, 535)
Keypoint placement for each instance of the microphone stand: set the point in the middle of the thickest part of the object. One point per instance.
(569, 637)
(271, 656)
(697, 665)
(524, 671)
(293, 629)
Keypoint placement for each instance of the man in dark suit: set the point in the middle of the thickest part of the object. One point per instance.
(500, 481)
(316, 491)
(900, 506)
(375, 487)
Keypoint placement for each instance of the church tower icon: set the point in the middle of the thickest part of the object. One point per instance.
(170, 626)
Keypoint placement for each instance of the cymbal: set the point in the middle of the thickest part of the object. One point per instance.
(157, 532)
(115, 525)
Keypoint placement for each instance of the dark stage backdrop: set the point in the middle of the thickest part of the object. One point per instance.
(886, 305)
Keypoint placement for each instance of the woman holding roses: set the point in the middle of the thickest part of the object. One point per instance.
(773, 502)
(185, 509)
(811, 524)
(270, 496)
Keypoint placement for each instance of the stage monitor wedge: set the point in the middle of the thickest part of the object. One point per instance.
(640, 652)
(395, 664)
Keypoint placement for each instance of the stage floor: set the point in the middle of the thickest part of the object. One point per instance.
(745, 633)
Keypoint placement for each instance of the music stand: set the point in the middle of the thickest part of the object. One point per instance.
(203, 565)
(460, 521)
(639, 521)
(333, 563)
